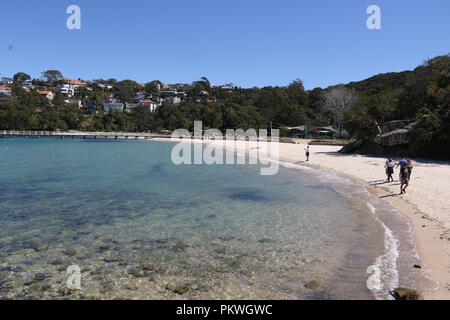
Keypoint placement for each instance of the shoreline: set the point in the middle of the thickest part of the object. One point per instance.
(431, 234)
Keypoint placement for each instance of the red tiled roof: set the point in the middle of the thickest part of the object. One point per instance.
(146, 101)
(77, 82)
(44, 92)
(5, 87)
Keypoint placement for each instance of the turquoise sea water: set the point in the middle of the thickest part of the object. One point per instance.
(141, 227)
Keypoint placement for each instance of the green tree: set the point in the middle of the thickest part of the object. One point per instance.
(52, 75)
(126, 90)
(21, 77)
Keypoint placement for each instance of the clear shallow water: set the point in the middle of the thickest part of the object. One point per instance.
(140, 227)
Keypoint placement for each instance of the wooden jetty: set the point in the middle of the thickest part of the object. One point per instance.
(77, 135)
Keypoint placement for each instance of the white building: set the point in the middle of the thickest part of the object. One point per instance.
(112, 106)
(5, 90)
(76, 102)
(149, 104)
(66, 89)
(173, 100)
(47, 94)
(7, 80)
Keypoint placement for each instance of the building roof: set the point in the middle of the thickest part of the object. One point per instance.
(44, 92)
(147, 101)
(5, 87)
(70, 81)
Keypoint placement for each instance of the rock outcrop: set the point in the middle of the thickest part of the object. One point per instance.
(362, 147)
(393, 138)
(406, 294)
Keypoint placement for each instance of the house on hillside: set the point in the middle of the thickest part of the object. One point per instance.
(172, 97)
(6, 81)
(66, 89)
(47, 94)
(90, 107)
(76, 102)
(140, 96)
(73, 84)
(149, 104)
(113, 105)
(78, 84)
(173, 100)
(5, 91)
(28, 86)
(203, 94)
(131, 107)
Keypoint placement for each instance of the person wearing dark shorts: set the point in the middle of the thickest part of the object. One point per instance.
(389, 169)
(409, 167)
(404, 181)
(403, 163)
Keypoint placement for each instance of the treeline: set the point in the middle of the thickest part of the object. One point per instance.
(359, 108)
(421, 95)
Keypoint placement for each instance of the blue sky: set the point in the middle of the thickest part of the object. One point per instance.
(247, 42)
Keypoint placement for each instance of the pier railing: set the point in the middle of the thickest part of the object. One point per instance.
(75, 134)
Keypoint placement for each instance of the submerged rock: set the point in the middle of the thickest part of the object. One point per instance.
(227, 238)
(6, 286)
(66, 291)
(132, 288)
(71, 252)
(406, 294)
(138, 273)
(179, 247)
(142, 272)
(149, 267)
(39, 277)
(313, 285)
(38, 247)
(178, 289)
(56, 262)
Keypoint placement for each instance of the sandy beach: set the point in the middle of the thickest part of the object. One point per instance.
(426, 203)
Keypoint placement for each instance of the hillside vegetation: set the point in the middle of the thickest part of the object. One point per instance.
(361, 109)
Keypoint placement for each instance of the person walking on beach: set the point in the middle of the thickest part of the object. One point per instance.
(307, 153)
(404, 181)
(409, 167)
(402, 165)
(389, 169)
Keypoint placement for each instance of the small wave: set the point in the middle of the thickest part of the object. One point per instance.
(387, 262)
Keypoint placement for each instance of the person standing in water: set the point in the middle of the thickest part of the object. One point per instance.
(389, 169)
(307, 153)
